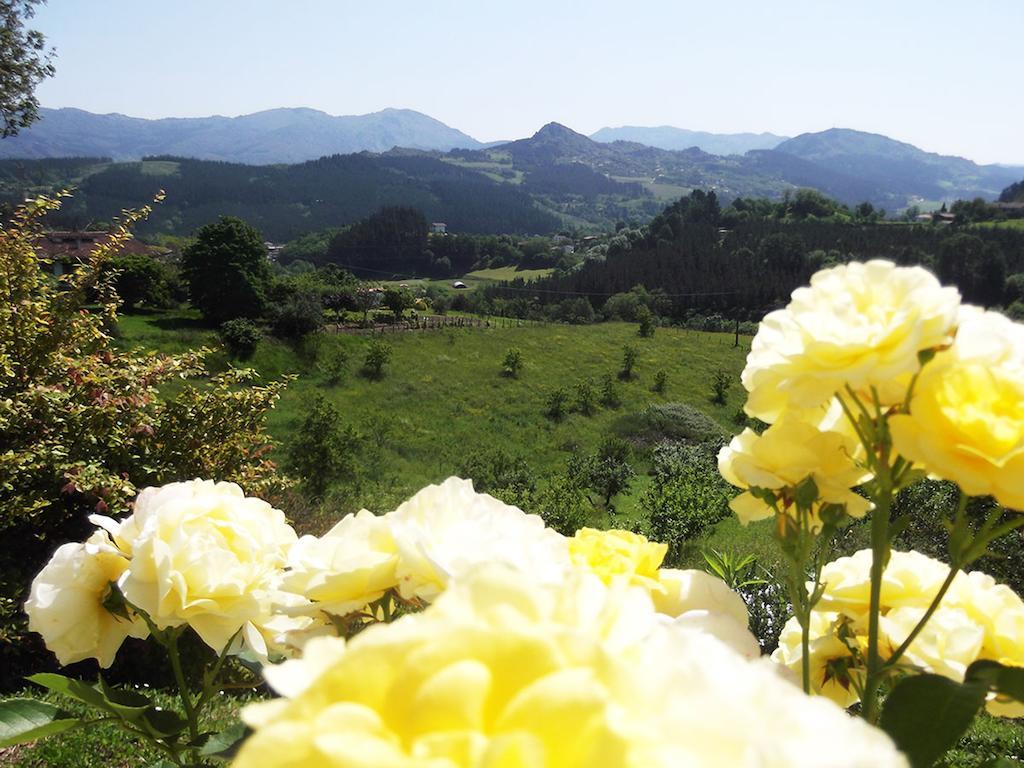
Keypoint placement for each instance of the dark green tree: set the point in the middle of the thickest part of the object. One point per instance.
(610, 472)
(25, 62)
(140, 279)
(227, 271)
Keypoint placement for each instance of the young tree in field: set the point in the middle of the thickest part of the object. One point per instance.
(227, 270)
(324, 449)
(24, 63)
(645, 319)
(720, 385)
(513, 363)
(628, 362)
(377, 356)
(397, 300)
(610, 471)
(586, 400)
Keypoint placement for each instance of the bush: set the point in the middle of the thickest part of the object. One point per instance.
(140, 279)
(609, 472)
(609, 392)
(628, 362)
(660, 381)
(586, 400)
(720, 384)
(241, 337)
(105, 428)
(678, 421)
(298, 315)
(688, 495)
(324, 450)
(555, 404)
(333, 364)
(512, 363)
(645, 319)
(498, 472)
(377, 356)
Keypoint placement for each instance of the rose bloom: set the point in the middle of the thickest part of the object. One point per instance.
(447, 529)
(966, 420)
(505, 671)
(857, 325)
(782, 457)
(832, 667)
(618, 555)
(65, 605)
(205, 554)
(349, 566)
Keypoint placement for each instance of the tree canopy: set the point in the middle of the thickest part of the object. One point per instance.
(25, 62)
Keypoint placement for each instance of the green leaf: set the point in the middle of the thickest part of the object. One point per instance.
(1002, 762)
(225, 745)
(1006, 681)
(24, 720)
(163, 723)
(927, 714)
(162, 764)
(127, 705)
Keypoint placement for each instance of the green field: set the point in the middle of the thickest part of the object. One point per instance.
(443, 397)
(1007, 224)
(509, 273)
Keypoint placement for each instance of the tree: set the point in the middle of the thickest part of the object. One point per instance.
(323, 452)
(139, 279)
(377, 356)
(513, 363)
(645, 318)
(628, 362)
(24, 63)
(397, 300)
(610, 472)
(227, 271)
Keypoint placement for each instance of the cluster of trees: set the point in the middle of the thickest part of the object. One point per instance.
(395, 241)
(742, 261)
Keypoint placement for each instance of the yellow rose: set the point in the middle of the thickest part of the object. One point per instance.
(782, 457)
(947, 645)
(618, 556)
(966, 420)
(910, 580)
(349, 566)
(860, 325)
(505, 671)
(65, 604)
(695, 590)
(448, 529)
(834, 672)
(206, 555)
(996, 608)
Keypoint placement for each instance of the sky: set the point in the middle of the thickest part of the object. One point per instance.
(943, 75)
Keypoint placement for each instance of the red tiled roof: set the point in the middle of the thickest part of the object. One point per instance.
(77, 245)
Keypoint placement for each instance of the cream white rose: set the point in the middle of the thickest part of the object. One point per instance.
(205, 554)
(65, 605)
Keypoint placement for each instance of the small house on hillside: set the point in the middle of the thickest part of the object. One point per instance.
(67, 249)
(459, 284)
(439, 228)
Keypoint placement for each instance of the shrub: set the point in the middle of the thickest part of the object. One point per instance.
(563, 504)
(688, 495)
(720, 384)
(298, 315)
(645, 319)
(324, 450)
(333, 364)
(610, 472)
(241, 337)
(660, 381)
(555, 404)
(609, 392)
(140, 279)
(628, 362)
(586, 400)
(678, 421)
(512, 363)
(377, 356)
(84, 424)
(498, 472)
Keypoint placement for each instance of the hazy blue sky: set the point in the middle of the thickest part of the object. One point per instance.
(942, 74)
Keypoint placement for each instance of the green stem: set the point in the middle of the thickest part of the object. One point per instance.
(179, 678)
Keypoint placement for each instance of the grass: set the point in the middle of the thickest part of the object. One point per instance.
(509, 273)
(443, 397)
(1005, 224)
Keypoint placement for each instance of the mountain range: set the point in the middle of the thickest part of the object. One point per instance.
(557, 177)
(668, 137)
(262, 138)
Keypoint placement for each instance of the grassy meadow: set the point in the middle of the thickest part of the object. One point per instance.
(443, 396)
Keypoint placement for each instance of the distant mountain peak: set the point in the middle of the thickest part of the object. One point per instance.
(556, 129)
